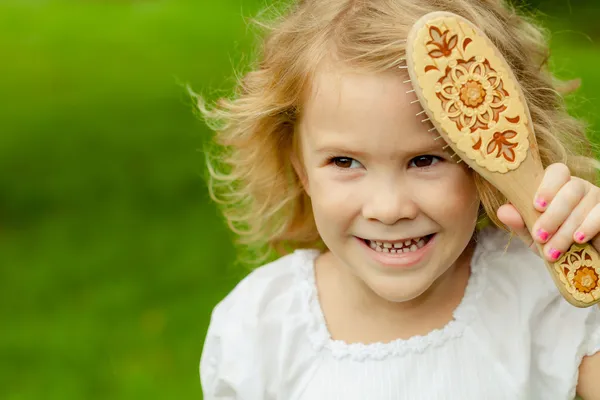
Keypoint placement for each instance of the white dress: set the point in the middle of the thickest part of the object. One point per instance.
(512, 337)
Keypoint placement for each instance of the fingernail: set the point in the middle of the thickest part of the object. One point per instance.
(554, 254)
(541, 202)
(580, 236)
(543, 235)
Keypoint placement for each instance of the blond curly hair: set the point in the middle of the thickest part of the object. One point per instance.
(250, 173)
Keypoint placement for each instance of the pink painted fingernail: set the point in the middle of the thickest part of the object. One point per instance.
(554, 254)
(580, 236)
(541, 202)
(543, 235)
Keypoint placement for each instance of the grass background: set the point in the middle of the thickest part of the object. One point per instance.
(111, 255)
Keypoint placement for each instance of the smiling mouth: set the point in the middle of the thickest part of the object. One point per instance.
(398, 246)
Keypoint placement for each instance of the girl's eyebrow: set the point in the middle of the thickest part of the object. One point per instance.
(341, 149)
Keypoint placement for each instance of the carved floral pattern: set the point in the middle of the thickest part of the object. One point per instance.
(586, 279)
(443, 45)
(500, 141)
(579, 272)
(472, 94)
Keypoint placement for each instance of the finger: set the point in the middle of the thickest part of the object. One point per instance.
(562, 239)
(563, 205)
(555, 177)
(590, 227)
(509, 216)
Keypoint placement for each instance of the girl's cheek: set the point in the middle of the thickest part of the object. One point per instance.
(332, 189)
(465, 195)
(450, 193)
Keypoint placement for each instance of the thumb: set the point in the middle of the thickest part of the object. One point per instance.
(509, 216)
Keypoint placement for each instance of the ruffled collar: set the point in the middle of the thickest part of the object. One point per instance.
(320, 336)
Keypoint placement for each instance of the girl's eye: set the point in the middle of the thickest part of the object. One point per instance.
(424, 161)
(345, 162)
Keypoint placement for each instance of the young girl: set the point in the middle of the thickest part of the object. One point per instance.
(397, 280)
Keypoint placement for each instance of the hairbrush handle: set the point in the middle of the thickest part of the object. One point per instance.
(576, 273)
(474, 101)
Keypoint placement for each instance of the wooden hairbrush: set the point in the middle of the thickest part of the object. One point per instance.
(473, 100)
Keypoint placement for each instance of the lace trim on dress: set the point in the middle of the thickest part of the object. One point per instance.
(320, 336)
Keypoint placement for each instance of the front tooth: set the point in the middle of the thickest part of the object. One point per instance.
(386, 250)
(405, 250)
(398, 245)
(387, 245)
(420, 243)
(373, 245)
(393, 251)
(378, 249)
(413, 247)
(407, 242)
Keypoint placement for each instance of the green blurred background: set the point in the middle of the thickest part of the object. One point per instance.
(111, 255)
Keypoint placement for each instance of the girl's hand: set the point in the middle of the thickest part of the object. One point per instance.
(570, 209)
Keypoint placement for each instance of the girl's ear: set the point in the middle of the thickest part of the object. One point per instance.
(300, 171)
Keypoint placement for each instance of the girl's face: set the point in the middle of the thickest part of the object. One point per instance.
(390, 204)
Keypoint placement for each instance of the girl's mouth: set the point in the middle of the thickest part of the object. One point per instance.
(399, 246)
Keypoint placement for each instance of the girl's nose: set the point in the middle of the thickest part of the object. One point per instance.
(390, 204)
